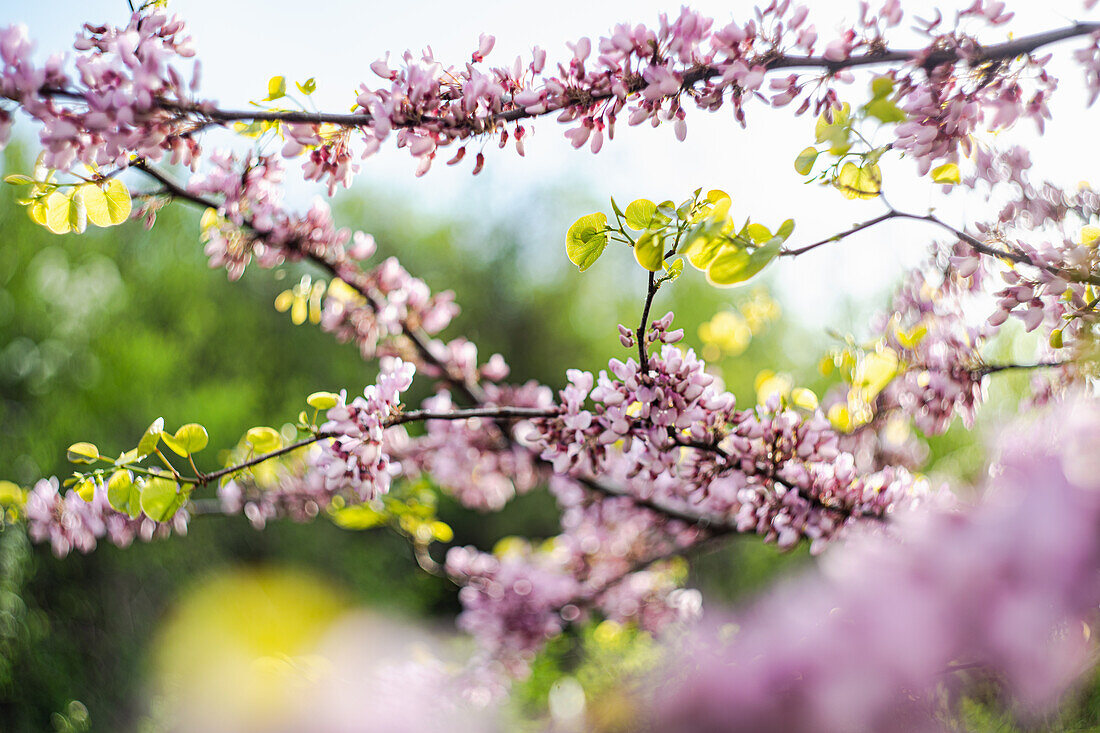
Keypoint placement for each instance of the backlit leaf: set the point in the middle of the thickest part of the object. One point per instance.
(859, 182)
(151, 438)
(188, 440)
(82, 453)
(948, 174)
(639, 214)
(161, 498)
(586, 239)
(649, 251)
(804, 163)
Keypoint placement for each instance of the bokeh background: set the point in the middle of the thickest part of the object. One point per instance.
(102, 333)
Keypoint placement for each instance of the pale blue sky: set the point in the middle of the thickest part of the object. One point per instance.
(242, 44)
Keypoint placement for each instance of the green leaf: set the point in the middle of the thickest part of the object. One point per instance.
(95, 202)
(702, 250)
(65, 213)
(161, 498)
(738, 266)
(123, 494)
(804, 163)
(119, 203)
(306, 88)
(322, 400)
(874, 371)
(885, 111)
(758, 233)
(785, 229)
(837, 132)
(17, 179)
(948, 174)
(359, 516)
(276, 88)
(639, 214)
(674, 268)
(86, 489)
(726, 265)
(151, 438)
(264, 439)
(649, 251)
(188, 440)
(859, 182)
(882, 87)
(615, 207)
(82, 453)
(586, 239)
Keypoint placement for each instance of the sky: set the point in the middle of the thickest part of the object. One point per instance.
(242, 44)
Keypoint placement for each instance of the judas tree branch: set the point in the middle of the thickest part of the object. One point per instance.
(976, 244)
(635, 83)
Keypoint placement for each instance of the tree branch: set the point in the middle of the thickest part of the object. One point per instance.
(633, 84)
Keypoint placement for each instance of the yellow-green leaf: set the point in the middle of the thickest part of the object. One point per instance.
(804, 163)
(948, 174)
(639, 214)
(37, 212)
(873, 372)
(758, 233)
(11, 494)
(276, 88)
(119, 203)
(882, 87)
(649, 251)
(65, 213)
(702, 251)
(737, 266)
(82, 453)
(123, 494)
(885, 111)
(837, 132)
(85, 489)
(859, 182)
(151, 438)
(322, 400)
(161, 498)
(785, 229)
(188, 440)
(95, 202)
(264, 439)
(360, 516)
(586, 239)
(804, 398)
(674, 268)
(726, 266)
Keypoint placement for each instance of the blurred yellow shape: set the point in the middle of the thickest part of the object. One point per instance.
(239, 648)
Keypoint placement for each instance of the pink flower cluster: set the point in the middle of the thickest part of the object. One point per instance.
(121, 101)
(400, 303)
(1002, 589)
(481, 463)
(940, 350)
(513, 604)
(70, 523)
(379, 305)
(664, 434)
(948, 109)
(355, 458)
(299, 491)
